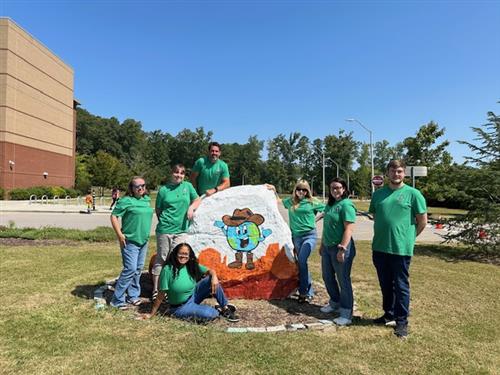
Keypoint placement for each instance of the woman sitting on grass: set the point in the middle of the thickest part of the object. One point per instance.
(187, 284)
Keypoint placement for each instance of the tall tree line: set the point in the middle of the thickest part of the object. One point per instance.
(109, 152)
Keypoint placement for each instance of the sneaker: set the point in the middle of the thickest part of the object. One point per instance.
(342, 321)
(383, 321)
(229, 314)
(304, 299)
(327, 309)
(401, 331)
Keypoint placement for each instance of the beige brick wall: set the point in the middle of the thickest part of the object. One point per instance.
(36, 106)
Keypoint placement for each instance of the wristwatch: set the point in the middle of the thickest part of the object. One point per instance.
(216, 189)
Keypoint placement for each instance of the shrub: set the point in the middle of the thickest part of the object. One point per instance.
(39, 191)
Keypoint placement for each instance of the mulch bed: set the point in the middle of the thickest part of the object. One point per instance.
(252, 313)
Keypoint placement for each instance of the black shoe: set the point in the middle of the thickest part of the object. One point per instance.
(229, 313)
(384, 321)
(401, 331)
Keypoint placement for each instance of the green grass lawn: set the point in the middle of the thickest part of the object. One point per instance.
(49, 325)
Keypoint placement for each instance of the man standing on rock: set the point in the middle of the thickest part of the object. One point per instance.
(400, 215)
(210, 174)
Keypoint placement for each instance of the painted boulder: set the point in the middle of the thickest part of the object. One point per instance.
(240, 234)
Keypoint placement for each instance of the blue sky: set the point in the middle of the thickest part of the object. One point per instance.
(242, 68)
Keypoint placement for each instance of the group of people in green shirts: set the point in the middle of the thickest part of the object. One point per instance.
(399, 213)
(175, 270)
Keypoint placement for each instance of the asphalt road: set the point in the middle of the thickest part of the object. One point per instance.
(362, 231)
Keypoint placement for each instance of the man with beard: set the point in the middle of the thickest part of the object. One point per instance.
(210, 174)
(400, 215)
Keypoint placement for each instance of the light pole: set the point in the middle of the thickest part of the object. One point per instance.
(371, 145)
(312, 185)
(324, 186)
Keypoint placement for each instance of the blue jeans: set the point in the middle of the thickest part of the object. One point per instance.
(192, 309)
(337, 278)
(128, 284)
(304, 244)
(394, 278)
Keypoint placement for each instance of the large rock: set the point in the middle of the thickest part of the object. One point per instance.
(240, 233)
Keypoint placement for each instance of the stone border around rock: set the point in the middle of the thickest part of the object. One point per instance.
(318, 325)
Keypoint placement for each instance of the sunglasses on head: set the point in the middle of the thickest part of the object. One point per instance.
(141, 186)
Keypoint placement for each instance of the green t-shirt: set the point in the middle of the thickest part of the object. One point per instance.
(334, 221)
(181, 288)
(137, 215)
(302, 219)
(395, 227)
(173, 202)
(210, 174)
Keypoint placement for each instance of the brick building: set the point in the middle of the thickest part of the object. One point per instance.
(37, 113)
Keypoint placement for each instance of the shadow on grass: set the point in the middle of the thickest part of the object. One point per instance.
(450, 253)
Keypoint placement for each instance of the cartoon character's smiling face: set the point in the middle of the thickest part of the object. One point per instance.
(244, 237)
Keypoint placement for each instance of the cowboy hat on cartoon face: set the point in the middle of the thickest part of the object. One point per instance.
(243, 234)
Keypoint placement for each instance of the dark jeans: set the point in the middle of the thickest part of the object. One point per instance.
(393, 275)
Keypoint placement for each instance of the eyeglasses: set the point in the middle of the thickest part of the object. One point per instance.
(302, 190)
(141, 186)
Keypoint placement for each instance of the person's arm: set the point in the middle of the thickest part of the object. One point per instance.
(224, 185)
(273, 188)
(194, 178)
(115, 223)
(421, 222)
(193, 207)
(214, 280)
(346, 238)
(156, 306)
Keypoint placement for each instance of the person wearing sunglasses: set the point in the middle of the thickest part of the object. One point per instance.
(175, 205)
(187, 283)
(303, 212)
(337, 252)
(136, 215)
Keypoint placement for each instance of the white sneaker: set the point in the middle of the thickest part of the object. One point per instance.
(327, 309)
(342, 321)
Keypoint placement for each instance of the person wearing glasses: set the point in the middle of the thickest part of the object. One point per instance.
(187, 283)
(337, 252)
(175, 205)
(136, 215)
(303, 210)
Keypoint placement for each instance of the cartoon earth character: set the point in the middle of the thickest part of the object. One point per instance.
(243, 234)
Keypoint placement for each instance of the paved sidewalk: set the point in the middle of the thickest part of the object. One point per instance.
(37, 215)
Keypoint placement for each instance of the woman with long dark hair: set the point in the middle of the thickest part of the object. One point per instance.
(302, 211)
(133, 233)
(338, 251)
(187, 283)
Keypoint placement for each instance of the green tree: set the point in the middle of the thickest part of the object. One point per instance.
(383, 153)
(291, 152)
(421, 149)
(82, 175)
(187, 146)
(108, 171)
(361, 178)
(480, 227)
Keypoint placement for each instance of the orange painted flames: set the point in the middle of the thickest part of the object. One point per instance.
(274, 276)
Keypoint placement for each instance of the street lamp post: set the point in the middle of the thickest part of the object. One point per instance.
(324, 183)
(371, 145)
(312, 185)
